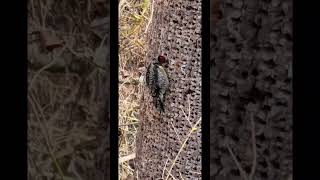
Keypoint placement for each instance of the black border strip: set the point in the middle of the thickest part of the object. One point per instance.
(205, 89)
(305, 90)
(114, 66)
(294, 87)
(14, 91)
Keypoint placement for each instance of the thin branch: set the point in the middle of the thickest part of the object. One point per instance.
(254, 151)
(44, 130)
(44, 68)
(189, 108)
(242, 172)
(185, 115)
(127, 158)
(171, 174)
(181, 175)
(128, 124)
(193, 129)
(165, 165)
(254, 148)
(150, 18)
(176, 132)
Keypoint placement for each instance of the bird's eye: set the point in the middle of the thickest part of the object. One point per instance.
(161, 59)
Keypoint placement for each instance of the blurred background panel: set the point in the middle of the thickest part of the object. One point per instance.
(251, 89)
(68, 89)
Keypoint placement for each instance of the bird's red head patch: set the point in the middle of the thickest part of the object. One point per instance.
(161, 59)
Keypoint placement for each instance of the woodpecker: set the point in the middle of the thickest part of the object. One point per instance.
(157, 81)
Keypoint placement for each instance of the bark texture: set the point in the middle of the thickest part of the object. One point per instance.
(251, 76)
(175, 32)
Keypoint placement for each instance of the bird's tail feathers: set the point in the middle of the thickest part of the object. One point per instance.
(159, 104)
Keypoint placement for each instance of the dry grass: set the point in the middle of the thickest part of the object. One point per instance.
(134, 19)
(65, 130)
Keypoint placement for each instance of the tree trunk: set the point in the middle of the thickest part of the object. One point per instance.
(170, 142)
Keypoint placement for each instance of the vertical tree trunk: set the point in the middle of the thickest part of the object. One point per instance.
(170, 142)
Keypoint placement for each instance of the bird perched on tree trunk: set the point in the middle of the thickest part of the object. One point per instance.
(157, 81)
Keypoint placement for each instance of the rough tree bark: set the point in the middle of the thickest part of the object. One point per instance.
(175, 31)
(251, 79)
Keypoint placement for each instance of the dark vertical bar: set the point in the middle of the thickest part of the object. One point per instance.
(22, 95)
(13, 91)
(205, 90)
(114, 62)
(294, 87)
(306, 90)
